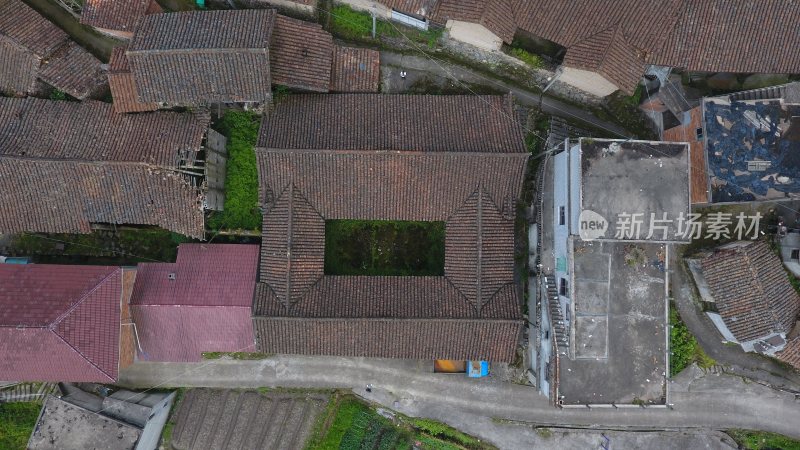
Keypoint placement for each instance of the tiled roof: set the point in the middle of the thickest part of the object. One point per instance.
(202, 57)
(91, 131)
(205, 275)
(791, 353)
(59, 323)
(32, 47)
(751, 290)
(496, 15)
(123, 87)
(609, 54)
(431, 123)
(68, 196)
(355, 69)
(205, 308)
(301, 54)
(734, 36)
(118, 15)
(448, 178)
(480, 339)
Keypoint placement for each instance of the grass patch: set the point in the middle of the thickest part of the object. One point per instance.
(391, 248)
(243, 356)
(533, 60)
(121, 247)
(684, 348)
(16, 423)
(347, 23)
(241, 181)
(624, 109)
(763, 440)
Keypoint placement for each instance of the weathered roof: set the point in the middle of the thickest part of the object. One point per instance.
(301, 54)
(201, 57)
(65, 425)
(430, 123)
(65, 165)
(123, 86)
(118, 15)
(59, 323)
(422, 8)
(751, 290)
(355, 69)
(496, 15)
(91, 131)
(741, 36)
(201, 303)
(31, 47)
(467, 179)
(791, 352)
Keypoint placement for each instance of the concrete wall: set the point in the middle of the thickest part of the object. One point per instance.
(473, 34)
(591, 82)
(286, 4)
(381, 11)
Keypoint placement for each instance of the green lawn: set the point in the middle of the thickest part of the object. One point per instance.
(355, 25)
(241, 209)
(762, 440)
(391, 248)
(16, 424)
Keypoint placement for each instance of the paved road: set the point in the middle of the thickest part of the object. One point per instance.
(445, 69)
(732, 357)
(700, 401)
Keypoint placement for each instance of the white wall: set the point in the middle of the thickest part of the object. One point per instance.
(473, 34)
(591, 82)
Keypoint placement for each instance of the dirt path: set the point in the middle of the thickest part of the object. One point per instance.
(98, 44)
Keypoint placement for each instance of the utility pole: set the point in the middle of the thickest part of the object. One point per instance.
(551, 81)
(374, 24)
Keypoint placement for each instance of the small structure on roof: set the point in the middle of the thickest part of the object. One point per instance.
(611, 210)
(59, 323)
(79, 419)
(35, 51)
(756, 304)
(67, 165)
(208, 57)
(201, 303)
(453, 159)
(117, 18)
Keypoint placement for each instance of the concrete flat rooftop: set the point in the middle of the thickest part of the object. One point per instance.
(620, 324)
(635, 177)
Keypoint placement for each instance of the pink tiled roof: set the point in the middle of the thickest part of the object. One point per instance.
(59, 323)
(205, 308)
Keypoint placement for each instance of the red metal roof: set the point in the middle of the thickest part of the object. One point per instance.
(205, 308)
(59, 323)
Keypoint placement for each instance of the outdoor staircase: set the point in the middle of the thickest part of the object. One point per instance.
(767, 93)
(27, 392)
(560, 331)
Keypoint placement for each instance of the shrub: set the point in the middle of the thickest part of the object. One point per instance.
(684, 348)
(758, 440)
(241, 182)
(528, 58)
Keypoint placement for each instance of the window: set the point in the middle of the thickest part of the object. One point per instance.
(699, 133)
(562, 215)
(563, 289)
(796, 253)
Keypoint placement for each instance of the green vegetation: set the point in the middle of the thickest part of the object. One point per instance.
(235, 355)
(352, 424)
(762, 440)
(16, 424)
(624, 109)
(535, 61)
(58, 95)
(348, 23)
(684, 348)
(393, 248)
(120, 247)
(241, 182)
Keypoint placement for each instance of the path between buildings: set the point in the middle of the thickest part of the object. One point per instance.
(732, 357)
(714, 401)
(549, 105)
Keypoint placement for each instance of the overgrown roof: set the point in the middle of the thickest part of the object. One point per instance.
(314, 167)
